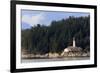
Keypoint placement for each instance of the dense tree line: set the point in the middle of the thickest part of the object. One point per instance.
(58, 35)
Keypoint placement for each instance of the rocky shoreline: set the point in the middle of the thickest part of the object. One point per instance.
(55, 55)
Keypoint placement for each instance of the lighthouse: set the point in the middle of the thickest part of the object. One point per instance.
(74, 42)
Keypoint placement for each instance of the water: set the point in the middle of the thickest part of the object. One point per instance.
(54, 59)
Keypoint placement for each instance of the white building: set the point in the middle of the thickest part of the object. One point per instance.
(72, 49)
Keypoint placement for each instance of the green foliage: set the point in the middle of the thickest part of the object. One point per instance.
(42, 39)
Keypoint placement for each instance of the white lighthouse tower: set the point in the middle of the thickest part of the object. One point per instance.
(74, 42)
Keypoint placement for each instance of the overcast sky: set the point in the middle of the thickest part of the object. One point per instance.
(31, 18)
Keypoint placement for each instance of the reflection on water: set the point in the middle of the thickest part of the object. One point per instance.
(54, 59)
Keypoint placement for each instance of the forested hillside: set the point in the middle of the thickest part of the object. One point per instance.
(58, 35)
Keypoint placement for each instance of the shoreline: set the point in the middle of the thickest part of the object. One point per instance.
(55, 55)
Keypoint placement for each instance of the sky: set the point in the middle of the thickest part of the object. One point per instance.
(30, 18)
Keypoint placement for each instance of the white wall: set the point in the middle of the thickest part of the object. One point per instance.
(5, 37)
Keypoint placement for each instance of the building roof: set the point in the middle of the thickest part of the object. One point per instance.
(71, 48)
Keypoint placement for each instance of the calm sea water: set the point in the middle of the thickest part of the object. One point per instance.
(54, 59)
